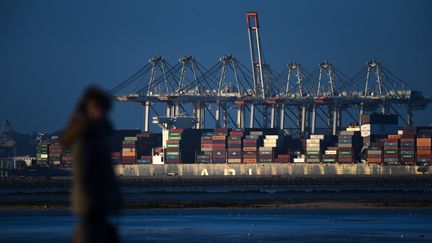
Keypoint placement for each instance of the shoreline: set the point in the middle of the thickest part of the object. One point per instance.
(296, 204)
(308, 192)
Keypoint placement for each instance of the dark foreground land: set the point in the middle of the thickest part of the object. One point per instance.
(329, 192)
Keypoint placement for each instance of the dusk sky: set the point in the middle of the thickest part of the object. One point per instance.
(51, 50)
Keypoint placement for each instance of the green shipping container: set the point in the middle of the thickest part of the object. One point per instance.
(172, 153)
(173, 145)
(390, 151)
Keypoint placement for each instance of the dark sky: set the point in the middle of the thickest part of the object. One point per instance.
(50, 50)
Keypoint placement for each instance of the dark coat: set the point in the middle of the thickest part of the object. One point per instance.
(95, 189)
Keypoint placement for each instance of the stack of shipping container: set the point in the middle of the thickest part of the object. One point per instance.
(384, 145)
(172, 150)
(55, 152)
(219, 153)
(314, 146)
(424, 148)
(266, 152)
(330, 155)
(128, 154)
(235, 146)
(349, 147)
(375, 154)
(206, 149)
(250, 147)
(42, 154)
(284, 151)
(407, 147)
(391, 150)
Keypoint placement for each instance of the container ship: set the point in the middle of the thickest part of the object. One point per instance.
(376, 147)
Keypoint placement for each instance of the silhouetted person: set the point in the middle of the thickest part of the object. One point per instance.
(95, 192)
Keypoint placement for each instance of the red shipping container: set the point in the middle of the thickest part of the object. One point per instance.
(282, 160)
(222, 129)
(286, 156)
(177, 130)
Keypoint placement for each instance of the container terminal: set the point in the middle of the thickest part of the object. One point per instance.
(229, 120)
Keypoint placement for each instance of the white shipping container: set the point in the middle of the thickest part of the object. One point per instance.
(44, 156)
(130, 138)
(266, 148)
(317, 136)
(271, 137)
(270, 144)
(313, 140)
(331, 152)
(353, 129)
(299, 160)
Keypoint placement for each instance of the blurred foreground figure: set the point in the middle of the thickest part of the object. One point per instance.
(95, 192)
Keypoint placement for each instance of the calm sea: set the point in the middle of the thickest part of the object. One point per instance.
(232, 225)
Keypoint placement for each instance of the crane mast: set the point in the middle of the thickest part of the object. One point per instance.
(255, 54)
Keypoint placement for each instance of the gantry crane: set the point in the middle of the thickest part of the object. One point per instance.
(228, 93)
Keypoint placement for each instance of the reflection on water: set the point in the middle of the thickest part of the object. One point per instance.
(216, 225)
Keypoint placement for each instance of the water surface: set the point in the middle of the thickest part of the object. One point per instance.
(232, 225)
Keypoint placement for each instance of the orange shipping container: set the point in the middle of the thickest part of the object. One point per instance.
(424, 152)
(218, 137)
(249, 149)
(424, 142)
(393, 136)
(249, 160)
(374, 160)
(128, 154)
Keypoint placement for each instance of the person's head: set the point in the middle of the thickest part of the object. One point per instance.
(94, 104)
